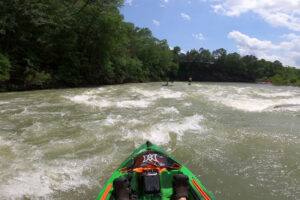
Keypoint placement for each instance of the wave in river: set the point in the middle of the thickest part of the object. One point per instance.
(250, 99)
(139, 98)
(62, 144)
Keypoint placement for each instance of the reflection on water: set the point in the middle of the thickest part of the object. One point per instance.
(241, 140)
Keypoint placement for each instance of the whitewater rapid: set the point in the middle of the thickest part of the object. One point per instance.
(63, 144)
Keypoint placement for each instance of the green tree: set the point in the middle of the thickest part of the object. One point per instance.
(205, 56)
(4, 68)
(249, 59)
(233, 64)
(219, 54)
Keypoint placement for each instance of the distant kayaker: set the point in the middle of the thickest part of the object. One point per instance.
(190, 80)
(166, 84)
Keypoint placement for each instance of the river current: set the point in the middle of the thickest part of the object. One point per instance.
(241, 140)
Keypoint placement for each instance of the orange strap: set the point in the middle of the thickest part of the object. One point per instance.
(106, 192)
(141, 169)
(124, 170)
(177, 167)
(206, 197)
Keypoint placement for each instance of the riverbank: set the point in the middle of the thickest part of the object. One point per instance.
(21, 89)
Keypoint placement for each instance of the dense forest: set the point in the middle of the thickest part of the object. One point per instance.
(70, 43)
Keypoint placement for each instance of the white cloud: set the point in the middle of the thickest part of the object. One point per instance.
(251, 44)
(166, 1)
(288, 51)
(185, 16)
(129, 2)
(198, 36)
(291, 36)
(284, 13)
(155, 22)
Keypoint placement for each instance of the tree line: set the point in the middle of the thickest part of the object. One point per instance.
(70, 43)
(203, 65)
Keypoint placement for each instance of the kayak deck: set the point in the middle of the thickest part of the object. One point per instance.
(151, 157)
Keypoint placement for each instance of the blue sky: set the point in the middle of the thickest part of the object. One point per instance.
(268, 29)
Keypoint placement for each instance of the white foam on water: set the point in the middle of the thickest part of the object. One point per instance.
(100, 91)
(4, 102)
(272, 94)
(27, 111)
(227, 97)
(135, 122)
(251, 99)
(4, 142)
(246, 104)
(87, 98)
(24, 112)
(61, 141)
(160, 133)
(189, 123)
(158, 94)
(112, 120)
(43, 180)
(139, 98)
(291, 104)
(287, 107)
(26, 184)
(187, 104)
(96, 91)
(168, 110)
(133, 104)
(259, 105)
(90, 100)
(7, 110)
(104, 102)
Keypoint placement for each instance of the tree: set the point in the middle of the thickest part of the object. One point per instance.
(219, 54)
(205, 56)
(4, 68)
(233, 64)
(219, 58)
(249, 59)
(176, 50)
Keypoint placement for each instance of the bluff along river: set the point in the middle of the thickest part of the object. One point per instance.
(241, 140)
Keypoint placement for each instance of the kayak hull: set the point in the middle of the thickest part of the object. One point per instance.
(197, 190)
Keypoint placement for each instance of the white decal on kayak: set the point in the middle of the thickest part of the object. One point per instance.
(150, 158)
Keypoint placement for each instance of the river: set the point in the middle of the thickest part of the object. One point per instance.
(241, 140)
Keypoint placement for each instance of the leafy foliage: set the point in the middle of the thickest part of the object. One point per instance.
(221, 66)
(54, 43)
(71, 43)
(4, 68)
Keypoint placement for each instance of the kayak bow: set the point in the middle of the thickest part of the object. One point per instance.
(150, 171)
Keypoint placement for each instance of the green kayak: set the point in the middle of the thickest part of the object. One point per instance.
(150, 172)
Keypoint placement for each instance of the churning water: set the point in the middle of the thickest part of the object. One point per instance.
(241, 140)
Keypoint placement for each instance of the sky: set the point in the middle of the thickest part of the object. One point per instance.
(268, 29)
